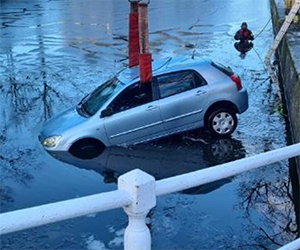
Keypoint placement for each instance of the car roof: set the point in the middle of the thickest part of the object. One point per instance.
(168, 65)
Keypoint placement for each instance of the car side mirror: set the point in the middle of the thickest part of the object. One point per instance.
(107, 112)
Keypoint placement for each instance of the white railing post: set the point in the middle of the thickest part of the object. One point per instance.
(141, 187)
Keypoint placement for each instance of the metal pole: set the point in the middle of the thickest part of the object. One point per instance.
(145, 56)
(134, 46)
(143, 28)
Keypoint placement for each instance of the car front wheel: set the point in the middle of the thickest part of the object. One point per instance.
(87, 148)
(222, 122)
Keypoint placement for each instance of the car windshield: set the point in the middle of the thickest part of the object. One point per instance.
(100, 95)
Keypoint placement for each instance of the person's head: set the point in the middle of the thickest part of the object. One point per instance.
(244, 25)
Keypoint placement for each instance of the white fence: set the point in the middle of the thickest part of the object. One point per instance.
(137, 192)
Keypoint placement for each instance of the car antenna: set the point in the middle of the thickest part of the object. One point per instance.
(196, 44)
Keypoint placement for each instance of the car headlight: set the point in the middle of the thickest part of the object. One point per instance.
(51, 141)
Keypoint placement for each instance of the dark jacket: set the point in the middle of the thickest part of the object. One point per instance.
(244, 35)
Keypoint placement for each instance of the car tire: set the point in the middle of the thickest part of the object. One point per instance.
(222, 122)
(87, 148)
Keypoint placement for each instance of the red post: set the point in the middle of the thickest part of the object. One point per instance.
(134, 45)
(145, 55)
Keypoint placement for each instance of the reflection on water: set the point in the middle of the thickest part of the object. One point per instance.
(160, 159)
(243, 48)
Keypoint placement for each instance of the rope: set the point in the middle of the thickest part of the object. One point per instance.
(266, 23)
(262, 62)
(263, 28)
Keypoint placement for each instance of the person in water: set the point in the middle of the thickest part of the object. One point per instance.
(245, 36)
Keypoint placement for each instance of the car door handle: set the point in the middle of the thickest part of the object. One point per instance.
(200, 92)
(151, 107)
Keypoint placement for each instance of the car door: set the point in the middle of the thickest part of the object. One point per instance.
(136, 117)
(182, 97)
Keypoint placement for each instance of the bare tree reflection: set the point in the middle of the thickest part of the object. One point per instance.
(6, 194)
(12, 170)
(274, 202)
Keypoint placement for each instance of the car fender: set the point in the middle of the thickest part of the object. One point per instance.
(92, 129)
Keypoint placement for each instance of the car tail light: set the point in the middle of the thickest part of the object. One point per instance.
(237, 80)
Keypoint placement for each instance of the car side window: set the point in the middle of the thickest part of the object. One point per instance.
(199, 80)
(175, 83)
(133, 96)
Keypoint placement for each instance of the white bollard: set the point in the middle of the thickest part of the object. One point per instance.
(141, 187)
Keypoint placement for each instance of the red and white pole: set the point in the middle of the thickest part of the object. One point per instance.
(134, 44)
(145, 58)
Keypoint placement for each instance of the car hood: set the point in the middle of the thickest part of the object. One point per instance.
(61, 122)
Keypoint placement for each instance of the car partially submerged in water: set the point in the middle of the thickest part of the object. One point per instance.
(184, 94)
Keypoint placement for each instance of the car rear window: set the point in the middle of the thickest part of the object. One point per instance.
(226, 70)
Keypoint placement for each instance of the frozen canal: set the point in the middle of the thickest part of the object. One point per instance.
(52, 53)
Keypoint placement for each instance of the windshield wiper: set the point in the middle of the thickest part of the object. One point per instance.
(81, 110)
(86, 113)
(84, 99)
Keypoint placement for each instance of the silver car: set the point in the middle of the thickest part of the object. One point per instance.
(185, 94)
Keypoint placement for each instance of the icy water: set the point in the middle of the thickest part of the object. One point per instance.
(52, 53)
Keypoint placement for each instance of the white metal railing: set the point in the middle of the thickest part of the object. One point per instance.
(59, 211)
(137, 193)
(295, 245)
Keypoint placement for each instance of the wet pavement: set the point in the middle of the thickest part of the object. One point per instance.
(52, 53)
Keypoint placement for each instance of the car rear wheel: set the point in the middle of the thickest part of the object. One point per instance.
(222, 122)
(87, 148)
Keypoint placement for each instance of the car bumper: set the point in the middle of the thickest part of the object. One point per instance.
(242, 101)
